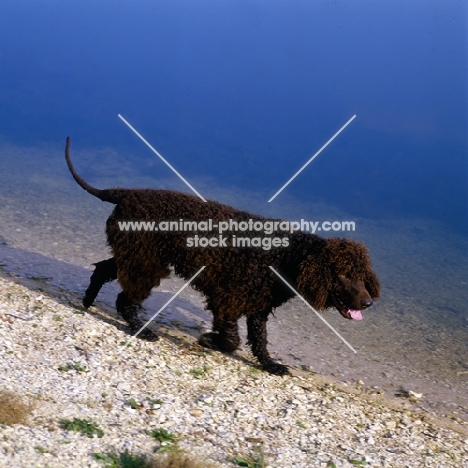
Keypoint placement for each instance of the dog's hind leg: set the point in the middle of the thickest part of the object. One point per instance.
(104, 272)
(136, 288)
(128, 310)
(257, 339)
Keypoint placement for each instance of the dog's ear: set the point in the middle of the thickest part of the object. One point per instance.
(314, 281)
(372, 284)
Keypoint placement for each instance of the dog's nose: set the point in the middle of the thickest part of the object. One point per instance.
(367, 303)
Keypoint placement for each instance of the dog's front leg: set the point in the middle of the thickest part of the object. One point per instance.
(257, 338)
(224, 337)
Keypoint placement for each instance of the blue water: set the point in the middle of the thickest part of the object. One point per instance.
(245, 92)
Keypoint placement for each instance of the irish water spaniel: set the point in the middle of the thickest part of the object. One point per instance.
(237, 280)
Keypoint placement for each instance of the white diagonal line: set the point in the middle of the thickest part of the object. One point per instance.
(312, 158)
(164, 306)
(310, 307)
(159, 155)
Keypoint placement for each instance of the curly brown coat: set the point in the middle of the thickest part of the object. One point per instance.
(236, 281)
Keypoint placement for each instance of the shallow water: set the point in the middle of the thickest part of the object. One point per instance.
(415, 337)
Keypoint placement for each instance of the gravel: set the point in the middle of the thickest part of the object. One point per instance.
(70, 363)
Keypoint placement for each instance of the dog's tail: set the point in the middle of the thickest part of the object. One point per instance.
(107, 195)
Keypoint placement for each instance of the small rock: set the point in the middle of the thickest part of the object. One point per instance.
(390, 424)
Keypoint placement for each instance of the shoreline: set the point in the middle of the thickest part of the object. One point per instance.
(413, 339)
(295, 335)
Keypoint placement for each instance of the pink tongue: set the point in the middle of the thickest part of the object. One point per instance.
(355, 314)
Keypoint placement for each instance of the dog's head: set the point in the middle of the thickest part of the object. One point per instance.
(340, 275)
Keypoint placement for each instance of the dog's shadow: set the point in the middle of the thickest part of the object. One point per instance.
(66, 283)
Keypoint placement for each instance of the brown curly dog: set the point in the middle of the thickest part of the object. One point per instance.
(237, 280)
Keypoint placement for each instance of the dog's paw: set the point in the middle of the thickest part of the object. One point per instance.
(146, 334)
(275, 368)
(87, 301)
(209, 340)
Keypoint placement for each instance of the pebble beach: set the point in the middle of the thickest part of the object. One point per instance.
(62, 362)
